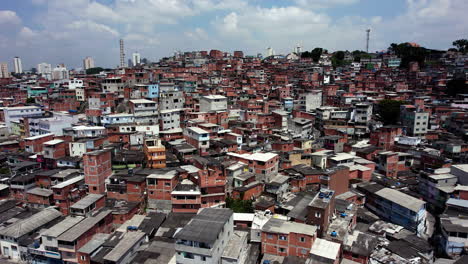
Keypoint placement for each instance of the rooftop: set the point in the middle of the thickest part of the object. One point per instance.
(401, 199)
(205, 226)
(86, 201)
(285, 227)
(129, 240)
(82, 227)
(326, 249)
(30, 224)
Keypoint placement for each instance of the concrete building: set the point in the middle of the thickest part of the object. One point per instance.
(454, 229)
(362, 113)
(85, 131)
(155, 153)
(136, 59)
(113, 84)
(436, 188)
(60, 73)
(310, 101)
(4, 73)
(18, 65)
(414, 120)
(286, 238)
(54, 124)
(88, 63)
(213, 103)
(199, 138)
(264, 165)
(144, 111)
(396, 207)
(97, 168)
(75, 84)
(12, 114)
(205, 237)
(22, 229)
(44, 68)
(461, 171)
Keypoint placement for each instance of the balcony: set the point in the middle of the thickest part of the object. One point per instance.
(120, 188)
(186, 201)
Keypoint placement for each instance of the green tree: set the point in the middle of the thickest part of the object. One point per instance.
(95, 70)
(239, 206)
(389, 111)
(338, 59)
(409, 53)
(30, 100)
(461, 44)
(316, 53)
(457, 86)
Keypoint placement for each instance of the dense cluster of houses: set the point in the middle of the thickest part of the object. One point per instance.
(212, 157)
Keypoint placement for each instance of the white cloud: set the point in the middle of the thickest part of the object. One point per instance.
(197, 34)
(324, 3)
(92, 26)
(9, 17)
(66, 30)
(27, 33)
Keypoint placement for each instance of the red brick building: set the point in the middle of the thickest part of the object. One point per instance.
(97, 168)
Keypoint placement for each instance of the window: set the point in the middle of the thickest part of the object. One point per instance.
(282, 250)
(269, 236)
(283, 238)
(302, 239)
(203, 258)
(83, 257)
(318, 214)
(188, 255)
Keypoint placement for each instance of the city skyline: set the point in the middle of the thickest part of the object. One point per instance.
(65, 36)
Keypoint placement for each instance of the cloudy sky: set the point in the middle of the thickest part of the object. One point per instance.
(66, 31)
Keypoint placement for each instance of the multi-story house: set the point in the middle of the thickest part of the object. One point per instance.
(264, 165)
(68, 192)
(77, 236)
(210, 103)
(11, 114)
(392, 163)
(35, 144)
(155, 153)
(436, 189)
(396, 207)
(205, 237)
(97, 168)
(285, 238)
(385, 136)
(414, 120)
(11, 235)
(199, 138)
(160, 185)
(186, 197)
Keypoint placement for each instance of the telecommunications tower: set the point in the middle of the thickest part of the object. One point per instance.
(367, 40)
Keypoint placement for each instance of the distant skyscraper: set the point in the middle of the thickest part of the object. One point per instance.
(4, 73)
(60, 73)
(298, 49)
(122, 54)
(88, 63)
(44, 68)
(18, 65)
(136, 58)
(129, 63)
(270, 52)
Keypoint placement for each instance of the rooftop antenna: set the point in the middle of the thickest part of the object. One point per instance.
(367, 40)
